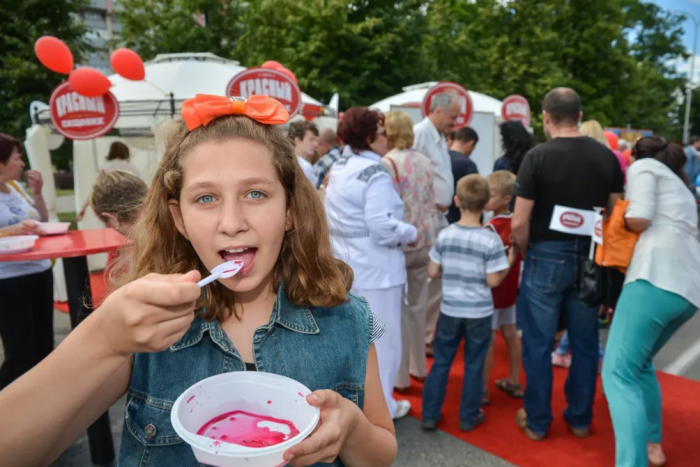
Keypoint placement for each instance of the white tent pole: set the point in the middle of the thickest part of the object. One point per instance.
(37, 146)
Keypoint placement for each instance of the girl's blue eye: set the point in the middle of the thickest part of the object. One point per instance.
(205, 199)
(256, 194)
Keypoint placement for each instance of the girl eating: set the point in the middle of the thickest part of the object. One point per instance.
(228, 187)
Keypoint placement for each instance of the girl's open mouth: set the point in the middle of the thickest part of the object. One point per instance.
(244, 254)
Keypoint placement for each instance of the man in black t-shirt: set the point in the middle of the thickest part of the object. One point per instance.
(569, 171)
(461, 149)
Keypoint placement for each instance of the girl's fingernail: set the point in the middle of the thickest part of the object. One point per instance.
(315, 398)
(290, 457)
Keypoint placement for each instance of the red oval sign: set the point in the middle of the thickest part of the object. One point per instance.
(269, 82)
(571, 220)
(79, 117)
(516, 108)
(599, 229)
(465, 102)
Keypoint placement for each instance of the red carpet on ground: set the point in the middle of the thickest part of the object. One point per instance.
(500, 436)
(98, 287)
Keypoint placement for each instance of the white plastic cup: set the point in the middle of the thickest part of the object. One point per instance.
(249, 391)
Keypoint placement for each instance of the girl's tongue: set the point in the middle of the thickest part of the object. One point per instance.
(246, 256)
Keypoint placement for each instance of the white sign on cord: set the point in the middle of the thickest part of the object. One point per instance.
(598, 228)
(573, 221)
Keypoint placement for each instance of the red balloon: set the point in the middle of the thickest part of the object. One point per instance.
(54, 54)
(612, 140)
(279, 67)
(128, 64)
(89, 82)
(272, 64)
(288, 72)
(627, 155)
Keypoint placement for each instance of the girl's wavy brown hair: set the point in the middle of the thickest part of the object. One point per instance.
(311, 275)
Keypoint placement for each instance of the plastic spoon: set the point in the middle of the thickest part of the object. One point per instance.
(222, 271)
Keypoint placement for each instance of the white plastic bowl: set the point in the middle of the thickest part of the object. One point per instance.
(17, 244)
(248, 391)
(54, 228)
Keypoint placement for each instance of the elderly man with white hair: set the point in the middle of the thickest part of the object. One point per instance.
(430, 140)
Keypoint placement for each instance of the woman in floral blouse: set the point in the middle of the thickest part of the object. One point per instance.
(412, 173)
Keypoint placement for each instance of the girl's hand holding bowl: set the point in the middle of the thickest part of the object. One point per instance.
(338, 420)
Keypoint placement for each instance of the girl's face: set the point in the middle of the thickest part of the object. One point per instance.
(12, 170)
(233, 207)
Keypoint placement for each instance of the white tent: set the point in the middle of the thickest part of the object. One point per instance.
(144, 105)
(487, 116)
(415, 94)
(183, 75)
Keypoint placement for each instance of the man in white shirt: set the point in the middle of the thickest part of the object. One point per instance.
(429, 139)
(304, 135)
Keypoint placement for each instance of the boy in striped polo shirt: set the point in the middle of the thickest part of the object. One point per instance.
(471, 260)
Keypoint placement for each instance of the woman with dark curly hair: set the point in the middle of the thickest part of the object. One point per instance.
(365, 218)
(517, 141)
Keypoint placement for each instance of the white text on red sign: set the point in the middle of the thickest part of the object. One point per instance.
(74, 102)
(269, 87)
(516, 109)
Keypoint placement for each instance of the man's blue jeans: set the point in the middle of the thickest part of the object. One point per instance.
(549, 288)
(477, 339)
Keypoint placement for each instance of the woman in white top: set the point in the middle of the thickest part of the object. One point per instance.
(661, 293)
(26, 287)
(118, 159)
(412, 173)
(365, 218)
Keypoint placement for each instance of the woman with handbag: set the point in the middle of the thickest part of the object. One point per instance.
(26, 287)
(412, 173)
(365, 219)
(661, 293)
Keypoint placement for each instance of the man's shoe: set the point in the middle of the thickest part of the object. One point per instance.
(580, 432)
(402, 409)
(429, 425)
(465, 426)
(521, 420)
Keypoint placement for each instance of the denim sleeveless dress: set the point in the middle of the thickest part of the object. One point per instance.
(323, 348)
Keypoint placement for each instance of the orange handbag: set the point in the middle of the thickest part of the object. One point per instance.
(618, 242)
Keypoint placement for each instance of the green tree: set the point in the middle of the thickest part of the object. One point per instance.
(151, 27)
(617, 54)
(22, 78)
(365, 51)
(525, 47)
(653, 100)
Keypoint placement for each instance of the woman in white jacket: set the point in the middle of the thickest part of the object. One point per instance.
(365, 217)
(661, 293)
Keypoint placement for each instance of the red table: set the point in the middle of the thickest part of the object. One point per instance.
(74, 247)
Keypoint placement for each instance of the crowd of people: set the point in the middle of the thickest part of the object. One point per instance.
(365, 252)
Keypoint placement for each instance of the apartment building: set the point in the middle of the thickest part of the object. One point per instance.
(103, 27)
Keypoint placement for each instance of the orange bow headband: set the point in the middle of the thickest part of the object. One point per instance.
(204, 108)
